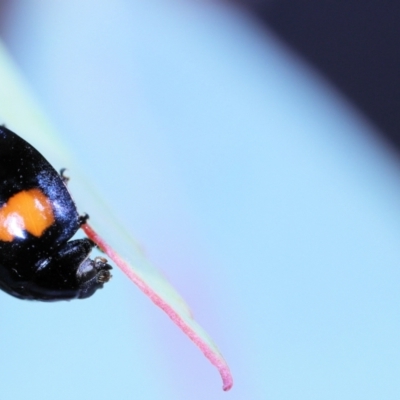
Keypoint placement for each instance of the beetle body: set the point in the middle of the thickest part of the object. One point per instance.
(37, 219)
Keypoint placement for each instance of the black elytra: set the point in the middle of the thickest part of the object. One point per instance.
(38, 217)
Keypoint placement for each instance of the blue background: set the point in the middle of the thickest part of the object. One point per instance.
(259, 192)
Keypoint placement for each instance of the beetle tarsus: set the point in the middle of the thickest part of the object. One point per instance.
(63, 177)
(82, 219)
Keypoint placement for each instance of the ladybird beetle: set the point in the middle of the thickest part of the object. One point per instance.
(38, 217)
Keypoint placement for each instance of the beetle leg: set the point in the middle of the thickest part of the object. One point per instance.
(64, 178)
(82, 219)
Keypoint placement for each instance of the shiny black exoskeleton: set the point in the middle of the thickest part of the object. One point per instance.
(37, 219)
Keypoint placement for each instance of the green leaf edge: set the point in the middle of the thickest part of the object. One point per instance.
(21, 113)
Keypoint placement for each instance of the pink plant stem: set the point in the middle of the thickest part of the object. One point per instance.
(215, 358)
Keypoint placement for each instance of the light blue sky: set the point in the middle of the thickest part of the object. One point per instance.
(257, 191)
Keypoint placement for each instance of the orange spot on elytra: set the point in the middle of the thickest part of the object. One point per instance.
(28, 210)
